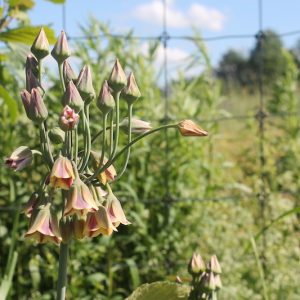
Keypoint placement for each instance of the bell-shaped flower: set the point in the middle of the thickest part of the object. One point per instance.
(189, 128)
(117, 79)
(44, 225)
(137, 126)
(196, 265)
(131, 92)
(99, 222)
(109, 174)
(85, 85)
(68, 73)
(68, 119)
(61, 50)
(19, 159)
(72, 97)
(80, 200)
(62, 173)
(115, 210)
(105, 101)
(40, 46)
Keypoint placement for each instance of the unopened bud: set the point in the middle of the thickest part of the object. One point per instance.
(196, 265)
(85, 85)
(137, 126)
(189, 128)
(32, 64)
(19, 159)
(131, 92)
(34, 105)
(72, 97)
(117, 79)
(214, 265)
(61, 50)
(105, 101)
(40, 46)
(56, 135)
(66, 229)
(78, 224)
(218, 282)
(31, 80)
(208, 282)
(68, 73)
(68, 119)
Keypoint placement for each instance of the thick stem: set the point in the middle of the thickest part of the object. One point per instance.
(62, 271)
(110, 162)
(129, 141)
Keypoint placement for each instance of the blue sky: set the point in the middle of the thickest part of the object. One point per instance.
(211, 17)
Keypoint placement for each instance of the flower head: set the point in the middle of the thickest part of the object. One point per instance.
(99, 222)
(80, 200)
(62, 174)
(19, 159)
(40, 46)
(117, 79)
(189, 128)
(44, 226)
(115, 210)
(61, 50)
(68, 119)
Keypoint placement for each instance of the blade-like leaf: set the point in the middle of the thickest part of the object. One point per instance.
(10, 102)
(160, 290)
(26, 35)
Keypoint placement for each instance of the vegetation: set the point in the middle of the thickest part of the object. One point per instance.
(203, 196)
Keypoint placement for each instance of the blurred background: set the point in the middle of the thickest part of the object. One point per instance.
(231, 66)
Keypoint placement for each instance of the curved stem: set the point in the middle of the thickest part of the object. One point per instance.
(62, 271)
(129, 141)
(62, 81)
(117, 100)
(103, 140)
(111, 135)
(110, 162)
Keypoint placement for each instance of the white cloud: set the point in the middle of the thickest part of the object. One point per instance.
(197, 15)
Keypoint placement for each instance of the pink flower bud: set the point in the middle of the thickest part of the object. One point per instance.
(19, 159)
(44, 226)
(117, 79)
(131, 92)
(214, 265)
(72, 97)
(68, 73)
(106, 101)
(37, 110)
(40, 46)
(68, 119)
(196, 265)
(80, 200)
(31, 80)
(62, 174)
(189, 128)
(61, 50)
(137, 126)
(32, 64)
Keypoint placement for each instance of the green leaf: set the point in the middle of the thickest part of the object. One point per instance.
(26, 4)
(163, 290)
(26, 34)
(10, 102)
(134, 273)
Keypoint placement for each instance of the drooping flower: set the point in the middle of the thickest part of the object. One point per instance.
(80, 200)
(115, 210)
(109, 174)
(19, 159)
(44, 225)
(189, 128)
(68, 119)
(62, 174)
(99, 222)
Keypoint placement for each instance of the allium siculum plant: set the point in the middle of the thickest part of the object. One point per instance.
(80, 178)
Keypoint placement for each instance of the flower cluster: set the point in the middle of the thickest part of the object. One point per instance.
(206, 278)
(87, 207)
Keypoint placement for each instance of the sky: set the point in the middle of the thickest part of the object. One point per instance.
(211, 17)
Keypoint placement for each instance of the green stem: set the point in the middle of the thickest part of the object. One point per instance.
(45, 145)
(103, 140)
(61, 76)
(76, 145)
(110, 162)
(129, 141)
(62, 271)
(111, 136)
(40, 71)
(117, 100)
(87, 138)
